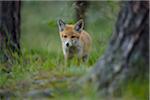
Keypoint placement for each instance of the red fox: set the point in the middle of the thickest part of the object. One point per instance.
(75, 41)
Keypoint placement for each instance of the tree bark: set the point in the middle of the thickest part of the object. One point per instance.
(81, 8)
(127, 56)
(9, 29)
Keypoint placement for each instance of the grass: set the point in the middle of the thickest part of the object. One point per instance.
(42, 57)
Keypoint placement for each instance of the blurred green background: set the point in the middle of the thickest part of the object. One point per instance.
(40, 31)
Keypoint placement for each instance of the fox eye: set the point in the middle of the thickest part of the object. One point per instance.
(72, 36)
(65, 36)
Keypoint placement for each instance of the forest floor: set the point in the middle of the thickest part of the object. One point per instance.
(40, 72)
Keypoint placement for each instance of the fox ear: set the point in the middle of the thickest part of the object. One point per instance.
(61, 25)
(79, 26)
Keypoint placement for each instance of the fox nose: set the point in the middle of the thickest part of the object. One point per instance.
(67, 44)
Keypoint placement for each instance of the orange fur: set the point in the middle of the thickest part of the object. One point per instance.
(82, 42)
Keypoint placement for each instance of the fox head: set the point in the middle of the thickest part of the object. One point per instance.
(70, 34)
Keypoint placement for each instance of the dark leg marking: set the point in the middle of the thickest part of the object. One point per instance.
(84, 58)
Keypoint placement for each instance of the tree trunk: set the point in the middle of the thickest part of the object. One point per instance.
(81, 8)
(9, 29)
(127, 57)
